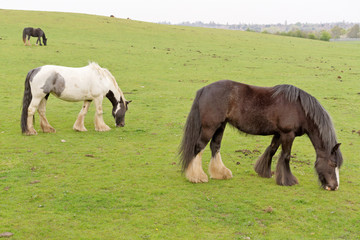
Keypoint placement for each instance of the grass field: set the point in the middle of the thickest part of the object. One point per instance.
(126, 183)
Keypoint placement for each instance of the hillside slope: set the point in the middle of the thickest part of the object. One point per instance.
(125, 183)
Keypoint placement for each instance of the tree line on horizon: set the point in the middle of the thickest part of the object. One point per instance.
(335, 33)
(323, 31)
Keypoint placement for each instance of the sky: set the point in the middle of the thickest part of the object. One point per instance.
(218, 11)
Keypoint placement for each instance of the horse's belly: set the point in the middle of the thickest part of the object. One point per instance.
(75, 95)
(254, 124)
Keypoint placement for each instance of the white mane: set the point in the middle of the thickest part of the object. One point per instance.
(106, 74)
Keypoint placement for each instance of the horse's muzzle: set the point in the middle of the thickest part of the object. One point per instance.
(120, 125)
(331, 188)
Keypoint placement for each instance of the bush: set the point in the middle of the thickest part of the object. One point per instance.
(311, 36)
(325, 36)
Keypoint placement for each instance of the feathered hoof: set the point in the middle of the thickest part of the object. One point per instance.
(288, 180)
(30, 132)
(83, 129)
(103, 128)
(203, 178)
(223, 173)
(196, 175)
(49, 130)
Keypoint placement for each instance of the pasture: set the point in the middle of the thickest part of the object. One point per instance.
(126, 183)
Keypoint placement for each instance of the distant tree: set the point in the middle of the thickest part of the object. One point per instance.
(354, 32)
(337, 31)
(325, 36)
(311, 36)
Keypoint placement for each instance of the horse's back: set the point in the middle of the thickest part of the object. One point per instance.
(251, 109)
(67, 83)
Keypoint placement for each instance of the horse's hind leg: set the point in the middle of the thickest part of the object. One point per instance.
(28, 41)
(100, 125)
(45, 126)
(30, 118)
(283, 172)
(263, 164)
(217, 168)
(194, 172)
(79, 123)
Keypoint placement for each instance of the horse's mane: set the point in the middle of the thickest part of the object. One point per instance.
(313, 110)
(107, 74)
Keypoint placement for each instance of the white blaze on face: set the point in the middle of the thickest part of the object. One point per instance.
(337, 176)
(117, 108)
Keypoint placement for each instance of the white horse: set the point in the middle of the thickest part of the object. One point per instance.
(89, 83)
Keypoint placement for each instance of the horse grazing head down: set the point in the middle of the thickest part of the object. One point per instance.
(327, 168)
(119, 111)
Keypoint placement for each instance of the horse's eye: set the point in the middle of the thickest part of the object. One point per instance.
(333, 164)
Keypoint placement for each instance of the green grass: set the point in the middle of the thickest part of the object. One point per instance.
(126, 183)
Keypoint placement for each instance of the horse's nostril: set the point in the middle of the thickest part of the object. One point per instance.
(332, 188)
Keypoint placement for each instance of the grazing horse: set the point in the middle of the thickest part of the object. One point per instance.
(89, 83)
(283, 111)
(33, 32)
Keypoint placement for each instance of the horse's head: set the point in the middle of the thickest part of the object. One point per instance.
(44, 40)
(327, 167)
(119, 111)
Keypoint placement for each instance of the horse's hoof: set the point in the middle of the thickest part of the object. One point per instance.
(288, 182)
(196, 177)
(30, 133)
(199, 179)
(103, 129)
(49, 130)
(225, 173)
(80, 129)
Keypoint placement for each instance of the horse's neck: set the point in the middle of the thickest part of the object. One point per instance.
(114, 89)
(316, 140)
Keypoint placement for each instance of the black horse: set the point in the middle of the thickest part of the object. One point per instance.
(33, 32)
(283, 111)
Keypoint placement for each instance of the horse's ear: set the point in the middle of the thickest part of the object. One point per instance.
(127, 102)
(335, 148)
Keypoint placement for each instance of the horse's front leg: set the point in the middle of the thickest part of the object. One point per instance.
(263, 164)
(283, 173)
(100, 125)
(79, 123)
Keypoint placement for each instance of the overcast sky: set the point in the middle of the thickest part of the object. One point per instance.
(219, 11)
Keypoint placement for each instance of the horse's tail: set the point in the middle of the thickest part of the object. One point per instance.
(26, 101)
(191, 133)
(24, 35)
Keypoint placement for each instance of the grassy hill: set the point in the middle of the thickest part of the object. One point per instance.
(126, 183)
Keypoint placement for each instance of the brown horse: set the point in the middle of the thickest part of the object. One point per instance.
(283, 111)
